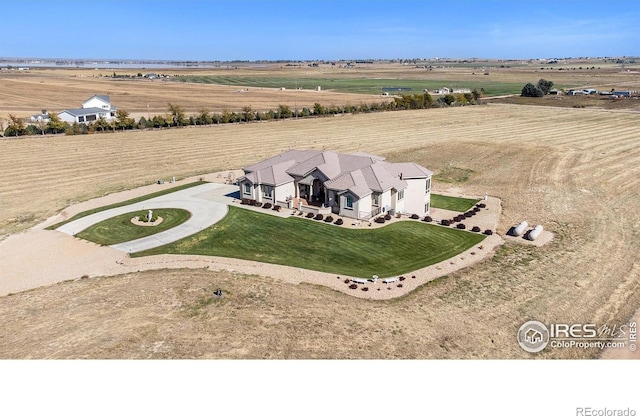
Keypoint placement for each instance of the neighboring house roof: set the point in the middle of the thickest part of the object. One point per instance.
(86, 111)
(104, 98)
(360, 174)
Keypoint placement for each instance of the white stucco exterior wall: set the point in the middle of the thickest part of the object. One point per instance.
(415, 196)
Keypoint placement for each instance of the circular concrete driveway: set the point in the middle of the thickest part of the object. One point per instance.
(204, 202)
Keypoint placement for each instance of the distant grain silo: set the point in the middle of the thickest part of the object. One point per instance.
(535, 233)
(519, 230)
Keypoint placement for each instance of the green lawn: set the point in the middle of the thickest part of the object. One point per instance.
(452, 203)
(129, 202)
(357, 85)
(397, 248)
(120, 229)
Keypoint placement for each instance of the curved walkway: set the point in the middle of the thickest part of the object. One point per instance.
(200, 201)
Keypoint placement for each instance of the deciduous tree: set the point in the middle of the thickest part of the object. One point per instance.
(545, 86)
(55, 125)
(178, 117)
(530, 90)
(15, 127)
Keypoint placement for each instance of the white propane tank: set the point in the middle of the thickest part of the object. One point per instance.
(535, 233)
(519, 230)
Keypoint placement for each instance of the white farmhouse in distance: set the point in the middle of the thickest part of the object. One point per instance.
(98, 106)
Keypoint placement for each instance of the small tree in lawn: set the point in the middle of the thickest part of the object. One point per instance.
(531, 90)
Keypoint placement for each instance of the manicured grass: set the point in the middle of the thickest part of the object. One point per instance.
(120, 228)
(357, 85)
(129, 202)
(397, 248)
(452, 203)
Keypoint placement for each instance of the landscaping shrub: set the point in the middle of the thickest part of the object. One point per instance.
(257, 204)
(445, 223)
(364, 289)
(427, 219)
(413, 277)
(476, 209)
(277, 208)
(487, 232)
(399, 284)
(461, 226)
(319, 217)
(475, 229)
(401, 278)
(347, 281)
(415, 216)
(329, 218)
(482, 205)
(353, 286)
(310, 215)
(339, 221)
(387, 217)
(379, 220)
(468, 214)
(267, 206)
(460, 217)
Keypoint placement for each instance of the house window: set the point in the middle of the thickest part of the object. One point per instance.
(267, 191)
(426, 207)
(81, 119)
(91, 117)
(247, 188)
(376, 199)
(428, 188)
(401, 195)
(349, 202)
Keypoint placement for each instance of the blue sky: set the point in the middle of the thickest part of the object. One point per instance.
(328, 29)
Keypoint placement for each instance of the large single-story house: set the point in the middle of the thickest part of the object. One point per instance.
(357, 185)
(98, 106)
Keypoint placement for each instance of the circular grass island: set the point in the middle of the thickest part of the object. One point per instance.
(120, 229)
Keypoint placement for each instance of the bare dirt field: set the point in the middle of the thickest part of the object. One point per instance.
(580, 183)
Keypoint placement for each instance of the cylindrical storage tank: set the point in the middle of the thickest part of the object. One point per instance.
(519, 230)
(535, 233)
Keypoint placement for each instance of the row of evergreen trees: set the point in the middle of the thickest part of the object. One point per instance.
(176, 115)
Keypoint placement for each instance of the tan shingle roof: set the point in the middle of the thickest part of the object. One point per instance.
(359, 173)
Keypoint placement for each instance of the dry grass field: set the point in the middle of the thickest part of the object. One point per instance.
(27, 92)
(572, 170)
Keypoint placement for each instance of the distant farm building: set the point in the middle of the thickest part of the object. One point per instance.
(98, 106)
(445, 91)
(42, 117)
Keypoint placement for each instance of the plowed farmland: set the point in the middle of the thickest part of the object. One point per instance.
(572, 170)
